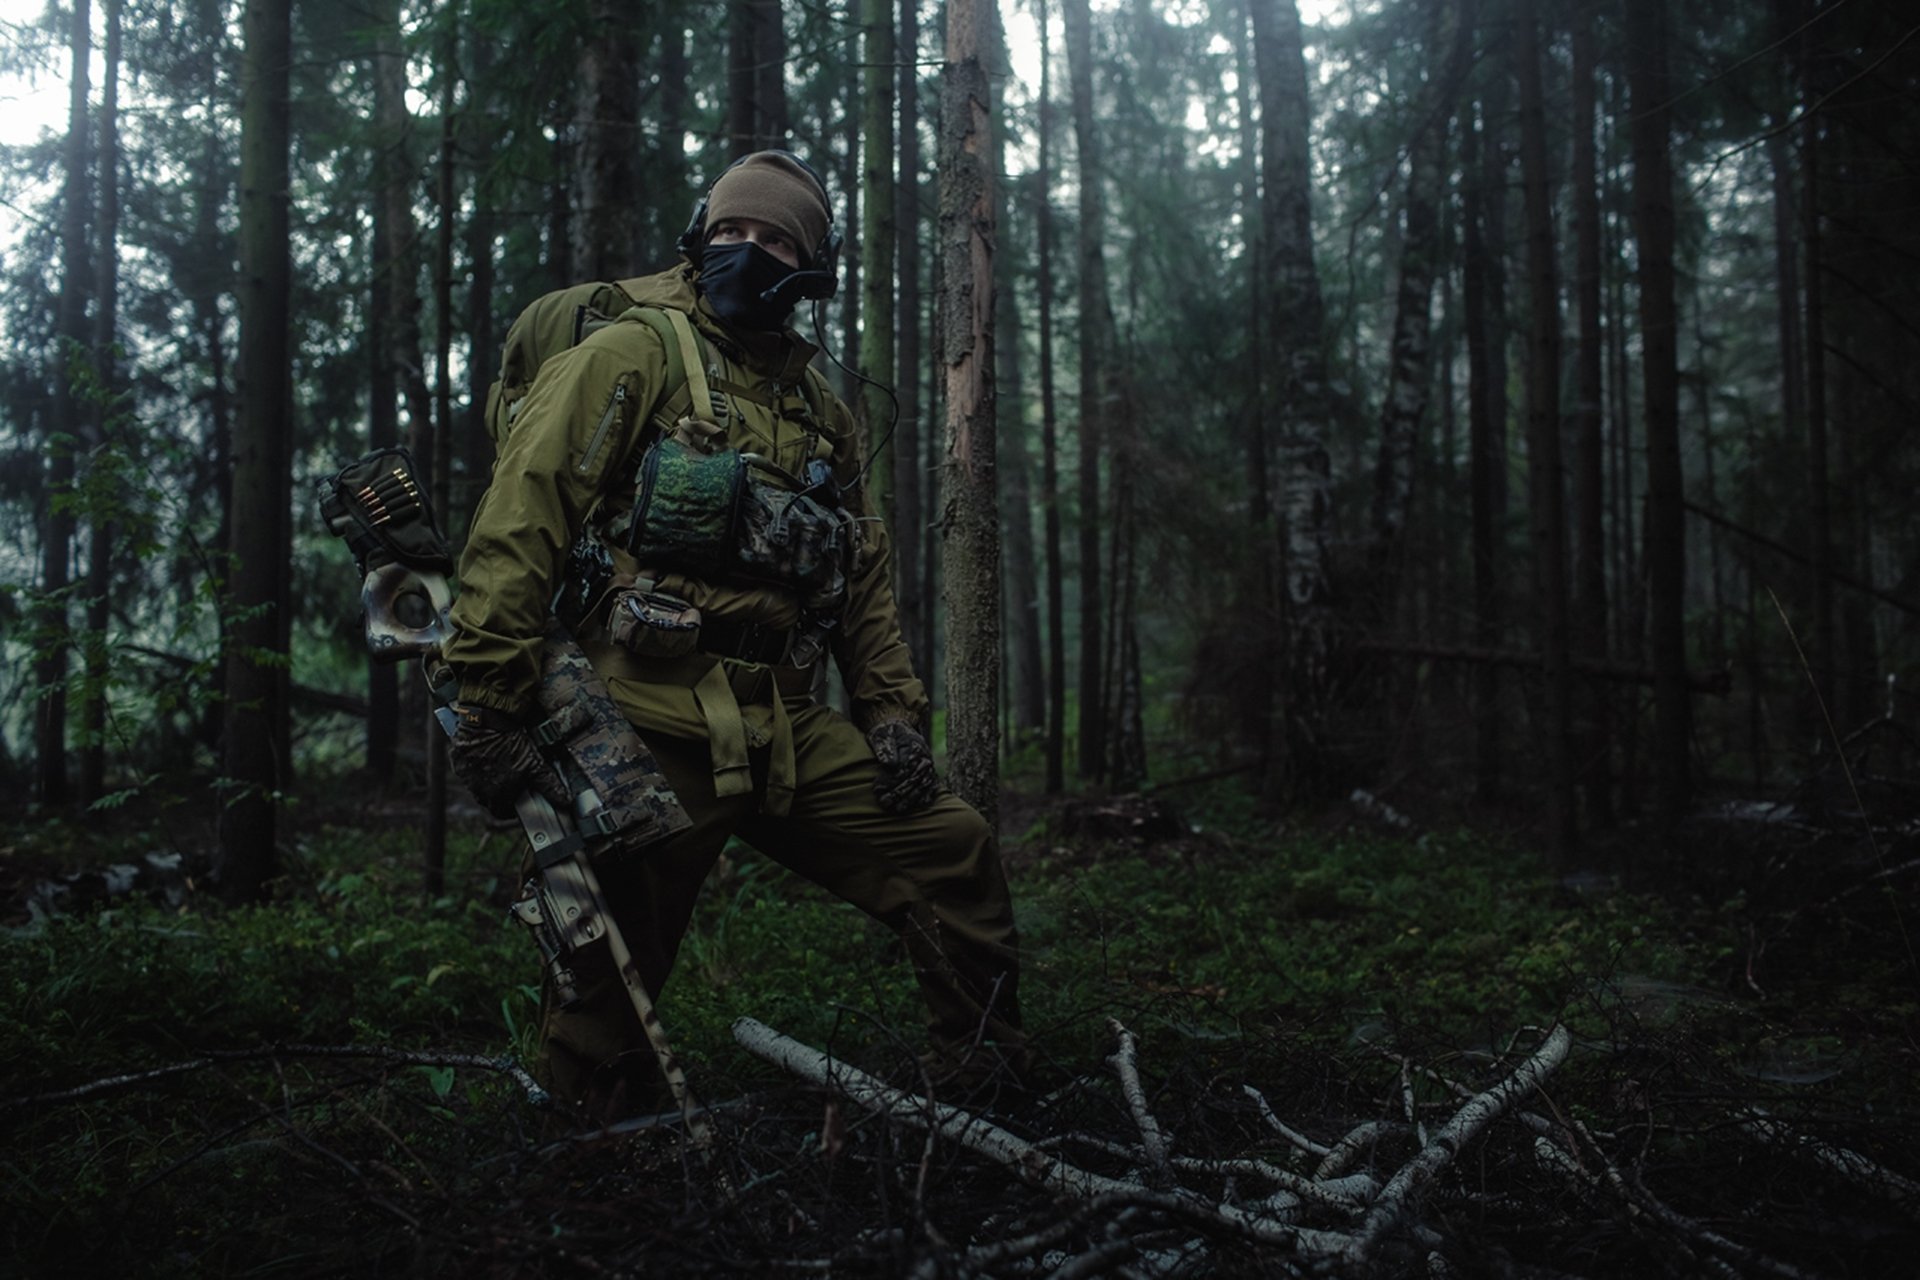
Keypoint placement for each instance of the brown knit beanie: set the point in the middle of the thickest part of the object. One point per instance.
(772, 187)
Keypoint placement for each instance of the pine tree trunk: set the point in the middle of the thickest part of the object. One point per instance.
(256, 709)
(1050, 431)
(971, 524)
(1296, 323)
(475, 448)
(440, 476)
(100, 550)
(1256, 649)
(771, 127)
(607, 133)
(1026, 677)
(1095, 351)
(1666, 516)
(909, 469)
(1589, 498)
(1483, 299)
(69, 421)
(878, 235)
(1546, 487)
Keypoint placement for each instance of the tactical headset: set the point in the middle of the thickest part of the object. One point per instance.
(820, 280)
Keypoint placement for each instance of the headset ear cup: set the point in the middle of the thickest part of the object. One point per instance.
(693, 240)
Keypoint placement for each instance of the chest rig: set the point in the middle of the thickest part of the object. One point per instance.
(733, 486)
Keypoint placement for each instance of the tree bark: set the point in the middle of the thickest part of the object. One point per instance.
(877, 238)
(1410, 375)
(1547, 493)
(69, 419)
(1665, 520)
(104, 524)
(909, 468)
(1589, 604)
(440, 477)
(1022, 620)
(1050, 429)
(257, 658)
(971, 524)
(1095, 350)
(1296, 323)
(1483, 299)
(607, 176)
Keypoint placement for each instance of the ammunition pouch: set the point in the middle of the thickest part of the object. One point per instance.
(379, 508)
(731, 516)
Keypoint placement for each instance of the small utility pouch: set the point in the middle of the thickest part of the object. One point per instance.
(687, 508)
(653, 624)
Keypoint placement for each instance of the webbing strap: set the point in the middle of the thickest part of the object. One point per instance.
(697, 387)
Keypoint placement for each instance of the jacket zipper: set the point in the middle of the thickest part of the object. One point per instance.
(606, 424)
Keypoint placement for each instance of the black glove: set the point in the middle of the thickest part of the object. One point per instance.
(497, 760)
(906, 782)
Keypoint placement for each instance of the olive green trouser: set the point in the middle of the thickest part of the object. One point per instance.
(933, 876)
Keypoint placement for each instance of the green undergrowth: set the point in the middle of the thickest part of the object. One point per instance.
(1216, 946)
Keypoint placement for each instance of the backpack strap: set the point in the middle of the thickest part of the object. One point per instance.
(686, 366)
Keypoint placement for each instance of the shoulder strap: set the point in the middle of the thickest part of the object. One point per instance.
(686, 363)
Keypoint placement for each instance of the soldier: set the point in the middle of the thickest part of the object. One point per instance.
(724, 515)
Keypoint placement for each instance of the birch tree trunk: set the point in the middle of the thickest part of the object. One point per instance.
(1410, 378)
(1666, 548)
(971, 564)
(1296, 323)
(256, 709)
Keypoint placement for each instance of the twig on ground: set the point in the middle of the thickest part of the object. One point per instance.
(278, 1052)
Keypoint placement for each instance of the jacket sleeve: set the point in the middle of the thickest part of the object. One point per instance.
(575, 429)
(873, 657)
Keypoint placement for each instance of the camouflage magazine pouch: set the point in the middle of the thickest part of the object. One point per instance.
(792, 538)
(687, 507)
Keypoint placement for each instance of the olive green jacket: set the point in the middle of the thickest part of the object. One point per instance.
(572, 457)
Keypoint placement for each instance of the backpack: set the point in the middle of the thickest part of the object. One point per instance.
(561, 320)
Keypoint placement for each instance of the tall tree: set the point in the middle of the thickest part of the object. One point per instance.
(1666, 549)
(877, 235)
(1025, 673)
(69, 411)
(1589, 602)
(1296, 320)
(756, 77)
(1096, 344)
(259, 597)
(909, 473)
(440, 474)
(1049, 428)
(972, 528)
(606, 244)
(1483, 301)
(1546, 504)
(1410, 382)
(103, 519)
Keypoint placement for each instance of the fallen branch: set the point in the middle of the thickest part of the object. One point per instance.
(1028, 1162)
(403, 1057)
(1125, 1065)
(1402, 1192)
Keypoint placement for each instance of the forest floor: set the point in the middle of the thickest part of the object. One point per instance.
(1267, 1046)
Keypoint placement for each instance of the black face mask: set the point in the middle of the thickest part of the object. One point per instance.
(748, 287)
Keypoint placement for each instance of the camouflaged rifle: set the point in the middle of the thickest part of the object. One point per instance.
(622, 803)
